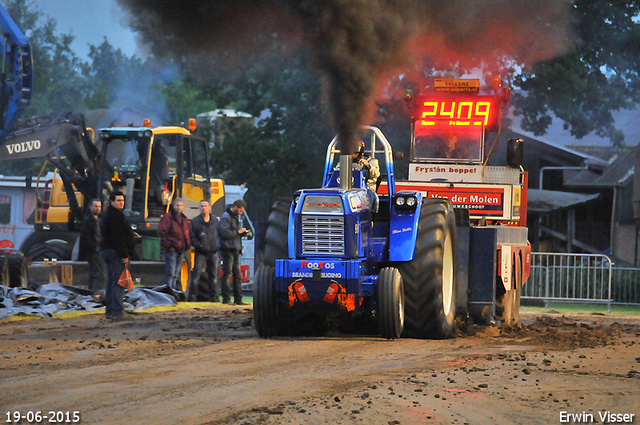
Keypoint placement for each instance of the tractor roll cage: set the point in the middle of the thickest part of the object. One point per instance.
(375, 135)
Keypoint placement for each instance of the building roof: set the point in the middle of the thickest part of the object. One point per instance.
(619, 169)
(20, 181)
(566, 151)
(228, 113)
(542, 201)
(624, 119)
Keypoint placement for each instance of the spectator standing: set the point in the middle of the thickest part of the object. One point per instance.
(90, 244)
(203, 231)
(173, 231)
(230, 243)
(116, 247)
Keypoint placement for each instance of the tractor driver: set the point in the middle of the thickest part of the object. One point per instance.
(371, 171)
(369, 165)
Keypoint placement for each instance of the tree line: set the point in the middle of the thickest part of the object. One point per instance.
(285, 150)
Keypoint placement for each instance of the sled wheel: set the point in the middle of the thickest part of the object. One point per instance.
(390, 297)
(264, 302)
(429, 279)
(5, 278)
(18, 272)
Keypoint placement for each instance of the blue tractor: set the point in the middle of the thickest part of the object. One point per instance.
(330, 254)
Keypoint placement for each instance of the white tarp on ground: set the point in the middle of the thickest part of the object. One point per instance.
(56, 298)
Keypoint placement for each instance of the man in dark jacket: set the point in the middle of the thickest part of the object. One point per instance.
(203, 231)
(230, 244)
(173, 231)
(116, 247)
(89, 244)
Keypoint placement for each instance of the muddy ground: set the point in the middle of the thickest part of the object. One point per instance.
(207, 365)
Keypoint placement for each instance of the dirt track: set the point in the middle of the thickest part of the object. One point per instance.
(208, 365)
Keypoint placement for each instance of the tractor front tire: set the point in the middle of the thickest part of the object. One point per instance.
(390, 297)
(429, 279)
(264, 302)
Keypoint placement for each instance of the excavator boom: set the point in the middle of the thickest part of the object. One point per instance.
(16, 82)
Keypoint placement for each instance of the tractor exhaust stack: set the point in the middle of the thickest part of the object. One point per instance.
(345, 172)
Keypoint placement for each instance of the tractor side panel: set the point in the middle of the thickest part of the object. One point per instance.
(482, 267)
(403, 233)
(291, 235)
(463, 233)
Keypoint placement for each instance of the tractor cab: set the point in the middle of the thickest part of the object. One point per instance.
(349, 220)
(377, 147)
(152, 165)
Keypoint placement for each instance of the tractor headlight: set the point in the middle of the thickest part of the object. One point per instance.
(406, 202)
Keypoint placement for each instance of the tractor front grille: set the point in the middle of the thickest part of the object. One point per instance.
(322, 235)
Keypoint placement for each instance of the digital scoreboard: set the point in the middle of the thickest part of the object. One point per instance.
(456, 112)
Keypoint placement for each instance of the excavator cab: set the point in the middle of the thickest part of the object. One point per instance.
(153, 165)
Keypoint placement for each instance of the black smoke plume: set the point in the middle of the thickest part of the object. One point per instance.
(354, 43)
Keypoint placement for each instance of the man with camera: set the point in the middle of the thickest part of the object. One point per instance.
(230, 243)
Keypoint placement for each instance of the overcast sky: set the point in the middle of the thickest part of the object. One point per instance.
(90, 21)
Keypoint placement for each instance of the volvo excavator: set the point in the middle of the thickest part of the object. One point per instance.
(151, 165)
(16, 87)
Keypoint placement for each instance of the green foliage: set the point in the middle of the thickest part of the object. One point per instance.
(285, 152)
(57, 68)
(394, 120)
(584, 86)
(56, 72)
(187, 100)
(64, 82)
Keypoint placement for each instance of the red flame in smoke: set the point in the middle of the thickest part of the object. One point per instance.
(358, 43)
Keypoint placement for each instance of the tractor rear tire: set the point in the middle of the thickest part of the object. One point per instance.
(18, 272)
(265, 311)
(429, 279)
(49, 244)
(5, 278)
(390, 297)
(277, 235)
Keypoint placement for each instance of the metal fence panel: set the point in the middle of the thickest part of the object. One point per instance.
(569, 277)
(625, 285)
